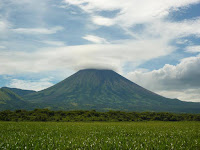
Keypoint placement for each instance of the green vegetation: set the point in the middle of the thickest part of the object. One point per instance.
(100, 135)
(12, 101)
(7, 95)
(19, 92)
(110, 116)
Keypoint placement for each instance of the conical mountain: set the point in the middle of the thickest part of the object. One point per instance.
(105, 90)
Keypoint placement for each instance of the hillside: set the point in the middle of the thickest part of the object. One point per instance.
(11, 101)
(19, 92)
(104, 90)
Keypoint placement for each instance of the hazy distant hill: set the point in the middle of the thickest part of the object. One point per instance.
(19, 92)
(11, 101)
(105, 90)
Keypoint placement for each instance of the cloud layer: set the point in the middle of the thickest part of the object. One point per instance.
(38, 30)
(95, 39)
(131, 11)
(110, 56)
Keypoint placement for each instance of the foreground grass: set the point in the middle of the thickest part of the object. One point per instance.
(100, 135)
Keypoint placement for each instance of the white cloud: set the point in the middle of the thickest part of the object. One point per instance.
(183, 41)
(54, 43)
(112, 56)
(172, 79)
(38, 30)
(174, 30)
(30, 85)
(193, 49)
(185, 95)
(23, 12)
(95, 39)
(152, 14)
(4, 26)
(132, 11)
(99, 20)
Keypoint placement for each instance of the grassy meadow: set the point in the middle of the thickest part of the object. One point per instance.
(100, 135)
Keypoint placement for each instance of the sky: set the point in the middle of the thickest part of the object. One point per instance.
(154, 43)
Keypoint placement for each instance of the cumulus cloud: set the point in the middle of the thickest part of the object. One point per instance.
(38, 30)
(170, 80)
(30, 85)
(95, 39)
(185, 95)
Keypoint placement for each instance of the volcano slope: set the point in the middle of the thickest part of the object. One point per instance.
(104, 90)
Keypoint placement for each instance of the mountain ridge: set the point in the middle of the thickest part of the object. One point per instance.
(20, 92)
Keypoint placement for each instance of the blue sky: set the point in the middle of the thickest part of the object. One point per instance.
(154, 43)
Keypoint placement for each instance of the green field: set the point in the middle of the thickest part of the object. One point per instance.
(100, 135)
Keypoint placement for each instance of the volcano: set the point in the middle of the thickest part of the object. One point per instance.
(102, 90)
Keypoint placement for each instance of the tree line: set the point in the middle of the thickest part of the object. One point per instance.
(80, 115)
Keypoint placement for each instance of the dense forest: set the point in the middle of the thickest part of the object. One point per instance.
(79, 115)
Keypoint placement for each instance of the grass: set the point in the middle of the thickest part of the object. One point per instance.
(100, 135)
